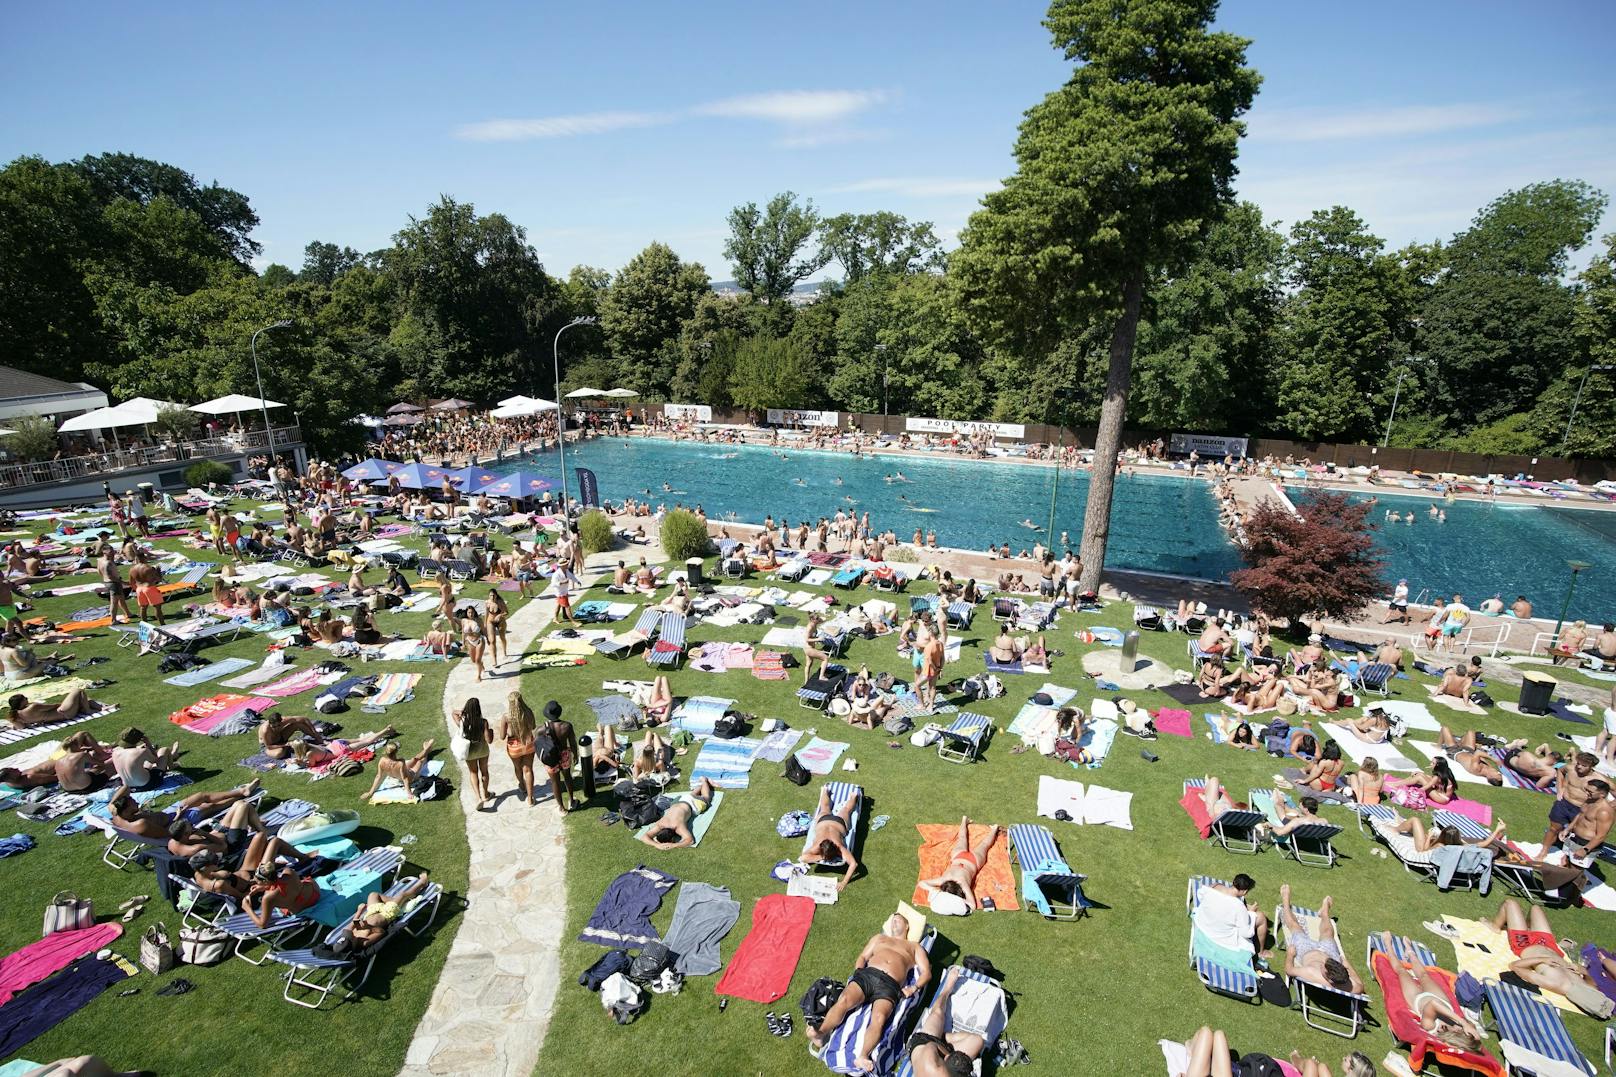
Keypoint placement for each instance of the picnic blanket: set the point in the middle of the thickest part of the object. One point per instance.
(698, 828)
(995, 880)
(820, 756)
(726, 763)
(763, 964)
(393, 791)
(300, 681)
(1484, 952)
(778, 745)
(394, 688)
(192, 678)
(1386, 755)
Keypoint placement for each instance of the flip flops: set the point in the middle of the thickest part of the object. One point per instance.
(180, 986)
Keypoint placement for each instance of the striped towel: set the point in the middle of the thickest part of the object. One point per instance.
(726, 763)
(13, 734)
(301, 681)
(394, 688)
(768, 666)
(221, 668)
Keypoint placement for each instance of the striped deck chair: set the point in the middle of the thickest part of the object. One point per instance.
(1340, 1013)
(1532, 1035)
(1402, 847)
(848, 578)
(1006, 609)
(382, 860)
(842, 1048)
(1235, 829)
(1371, 813)
(1402, 1023)
(960, 614)
(1217, 977)
(1049, 886)
(460, 570)
(669, 647)
(990, 1032)
(204, 908)
(1148, 618)
(1374, 677)
(316, 977)
(921, 603)
(643, 632)
(1311, 844)
(820, 690)
(839, 793)
(963, 741)
(1522, 879)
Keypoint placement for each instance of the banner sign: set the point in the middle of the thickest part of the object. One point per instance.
(701, 413)
(786, 417)
(588, 488)
(1208, 445)
(965, 426)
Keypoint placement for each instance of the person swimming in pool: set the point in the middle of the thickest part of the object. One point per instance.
(1030, 525)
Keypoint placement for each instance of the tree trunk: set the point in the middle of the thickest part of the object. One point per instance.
(1108, 442)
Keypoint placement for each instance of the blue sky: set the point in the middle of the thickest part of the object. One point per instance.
(602, 127)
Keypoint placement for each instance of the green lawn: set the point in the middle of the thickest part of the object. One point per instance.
(1091, 996)
(235, 1021)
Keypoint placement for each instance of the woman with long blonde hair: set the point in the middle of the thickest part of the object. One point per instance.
(517, 729)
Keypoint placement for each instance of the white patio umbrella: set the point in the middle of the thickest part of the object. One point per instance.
(522, 407)
(233, 404)
(620, 393)
(585, 391)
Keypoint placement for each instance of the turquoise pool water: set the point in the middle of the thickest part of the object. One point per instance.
(1486, 549)
(1159, 524)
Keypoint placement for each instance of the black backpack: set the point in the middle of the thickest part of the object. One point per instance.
(821, 996)
(982, 967)
(795, 772)
(728, 727)
(650, 962)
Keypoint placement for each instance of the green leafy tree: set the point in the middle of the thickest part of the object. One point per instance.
(227, 215)
(32, 437)
(1593, 433)
(769, 372)
(48, 220)
(770, 248)
(277, 276)
(176, 422)
(1118, 171)
(876, 244)
(707, 343)
(323, 263)
(643, 312)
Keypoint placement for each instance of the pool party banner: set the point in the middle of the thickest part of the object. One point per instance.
(1207, 445)
(965, 426)
(588, 487)
(699, 412)
(787, 417)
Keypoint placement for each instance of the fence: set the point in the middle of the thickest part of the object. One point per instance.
(78, 468)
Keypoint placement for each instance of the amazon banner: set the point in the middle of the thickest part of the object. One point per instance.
(588, 488)
(786, 417)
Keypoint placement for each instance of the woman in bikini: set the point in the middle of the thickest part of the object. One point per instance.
(659, 705)
(389, 765)
(495, 614)
(1367, 782)
(812, 649)
(1469, 754)
(1323, 775)
(1428, 1000)
(472, 639)
(1372, 728)
(652, 758)
(1425, 840)
(516, 729)
(471, 746)
(828, 842)
(274, 888)
(959, 878)
(368, 925)
(218, 871)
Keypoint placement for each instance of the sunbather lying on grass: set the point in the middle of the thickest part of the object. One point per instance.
(879, 976)
(672, 829)
(1318, 961)
(23, 714)
(1210, 1056)
(1472, 756)
(83, 766)
(959, 878)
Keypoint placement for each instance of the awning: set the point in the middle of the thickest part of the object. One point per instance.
(620, 393)
(452, 405)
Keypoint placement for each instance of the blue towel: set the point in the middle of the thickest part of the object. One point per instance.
(222, 668)
(726, 763)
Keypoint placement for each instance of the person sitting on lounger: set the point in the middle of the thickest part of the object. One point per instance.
(275, 888)
(879, 976)
(369, 923)
(1540, 961)
(1245, 927)
(1367, 782)
(940, 1047)
(1427, 999)
(672, 828)
(1427, 839)
(1319, 961)
(139, 763)
(959, 878)
(230, 872)
(1214, 638)
(1290, 818)
(23, 714)
(1470, 755)
(828, 842)
(1390, 654)
(129, 816)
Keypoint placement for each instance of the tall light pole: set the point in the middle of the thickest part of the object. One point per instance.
(1397, 392)
(1574, 403)
(1565, 607)
(881, 349)
(269, 438)
(561, 413)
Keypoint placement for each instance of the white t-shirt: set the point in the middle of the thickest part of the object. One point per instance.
(1400, 595)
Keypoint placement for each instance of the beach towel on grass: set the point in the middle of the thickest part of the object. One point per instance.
(1454, 702)
(699, 715)
(1222, 726)
(768, 666)
(785, 638)
(778, 745)
(726, 763)
(995, 880)
(698, 828)
(206, 714)
(98, 813)
(1432, 750)
(1097, 740)
(46, 1005)
(300, 681)
(40, 690)
(1484, 952)
(1173, 722)
(29, 758)
(54, 952)
(214, 670)
(1031, 717)
(1096, 805)
(1356, 750)
(820, 756)
(622, 917)
(394, 688)
(1414, 714)
(763, 964)
(254, 677)
(12, 735)
(614, 711)
(392, 790)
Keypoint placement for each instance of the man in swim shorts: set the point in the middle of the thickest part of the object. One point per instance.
(1588, 831)
(672, 829)
(1541, 962)
(878, 977)
(147, 579)
(1571, 793)
(1457, 617)
(959, 878)
(1318, 961)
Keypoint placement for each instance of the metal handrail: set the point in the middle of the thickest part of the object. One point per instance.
(18, 476)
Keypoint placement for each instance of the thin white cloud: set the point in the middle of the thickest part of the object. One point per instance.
(920, 187)
(802, 107)
(810, 140)
(1394, 121)
(585, 123)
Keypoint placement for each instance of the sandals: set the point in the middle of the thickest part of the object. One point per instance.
(133, 908)
(778, 1025)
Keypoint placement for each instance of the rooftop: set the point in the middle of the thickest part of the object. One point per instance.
(16, 384)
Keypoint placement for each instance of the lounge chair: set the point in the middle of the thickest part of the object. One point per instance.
(921, 603)
(842, 1048)
(319, 976)
(819, 691)
(383, 861)
(669, 647)
(1524, 880)
(959, 614)
(1418, 863)
(1212, 964)
(1049, 886)
(1311, 844)
(1374, 677)
(1235, 829)
(1340, 1013)
(182, 637)
(460, 570)
(990, 1033)
(884, 578)
(428, 568)
(848, 578)
(1006, 609)
(1403, 1023)
(207, 909)
(794, 569)
(963, 741)
(624, 644)
(1531, 1034)
(734, 568)
(1197, 655)
(1148, 618)
(839, 792)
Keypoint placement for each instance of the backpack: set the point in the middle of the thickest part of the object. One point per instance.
(898, 725)
(1277, 737)
(728, 727)
(982, 967)
(1480, 698)
(820, 997)
(430, 787)
(650, 962)
(347, 767)
(795, 772)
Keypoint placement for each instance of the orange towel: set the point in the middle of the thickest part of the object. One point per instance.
(83, 626)
(995, 880)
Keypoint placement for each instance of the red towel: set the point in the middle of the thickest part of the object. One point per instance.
(50, 955)
(763, 964)
(1194, 803)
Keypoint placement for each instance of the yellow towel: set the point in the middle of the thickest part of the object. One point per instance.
(1484, 952)
(564, 646)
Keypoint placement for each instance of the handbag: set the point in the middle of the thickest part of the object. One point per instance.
(68, 912)
(156, 954)
(200, 945)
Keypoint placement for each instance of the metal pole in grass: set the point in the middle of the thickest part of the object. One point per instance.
(1581, 385)
(1060, 445)
(1571, 589)
(561, 411)
(269, 441)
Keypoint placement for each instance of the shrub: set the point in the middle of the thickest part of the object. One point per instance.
(1320, 560)
(595, 530)
(178, 423)
(684, 535)
(901, 553)
(205, 473)
(32, 437)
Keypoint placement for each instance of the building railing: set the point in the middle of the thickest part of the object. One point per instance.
(69, 469)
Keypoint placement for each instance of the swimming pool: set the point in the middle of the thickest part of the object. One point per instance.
(1159, 524)
(1485, 549)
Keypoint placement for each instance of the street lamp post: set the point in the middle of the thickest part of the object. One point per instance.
(1387, 439)
(561, 413)
(258, 377)
(1578, 400)
(1060, 446)
(1571, 589)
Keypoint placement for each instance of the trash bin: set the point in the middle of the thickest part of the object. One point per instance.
(148, 493)
(693, 571)
(1537, 692)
